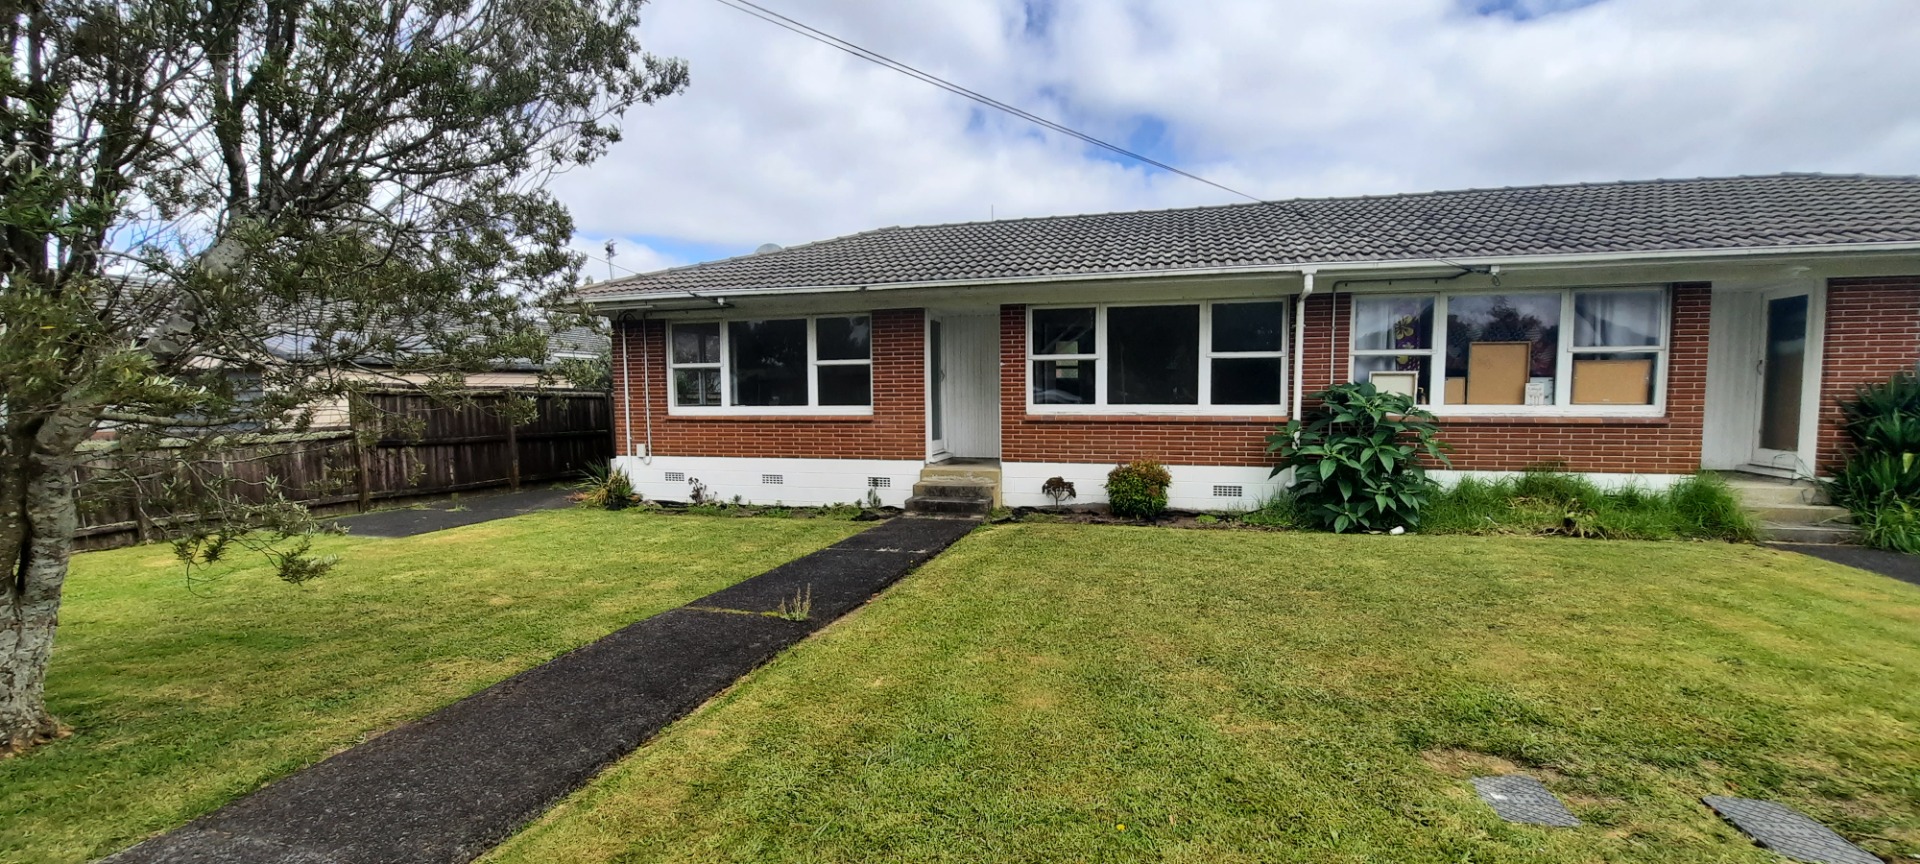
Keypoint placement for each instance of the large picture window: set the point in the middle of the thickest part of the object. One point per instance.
(822, 365)
(1516, 351)
(1209, 357)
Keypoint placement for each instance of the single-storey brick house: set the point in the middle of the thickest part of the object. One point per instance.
(1631, 331)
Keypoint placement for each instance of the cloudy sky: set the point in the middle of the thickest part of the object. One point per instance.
(781, 139)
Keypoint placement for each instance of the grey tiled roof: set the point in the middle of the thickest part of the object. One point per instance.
(1653, 215)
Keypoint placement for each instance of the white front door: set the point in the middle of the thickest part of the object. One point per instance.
(964, 364)
(1788, 370)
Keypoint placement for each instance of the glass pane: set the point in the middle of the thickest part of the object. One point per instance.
(1063, 331)
(845, 338)
(1617, 319)
(1248, 381)
(1249, 326)
(696, 387)
(1381, 324)
(1155, 352)
(696, 343)
(1625, 378)
(1502, 349)
(1063, 382)
(769, 362)
(846, 385)
(1396, 374)
(1785, 371)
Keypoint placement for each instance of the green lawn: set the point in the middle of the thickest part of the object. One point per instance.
(1240, 696)
(184, 697)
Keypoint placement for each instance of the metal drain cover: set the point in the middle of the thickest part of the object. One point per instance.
(1786, 831)
(1517, 798)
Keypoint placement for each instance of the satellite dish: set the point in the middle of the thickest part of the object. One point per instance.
(767, 247)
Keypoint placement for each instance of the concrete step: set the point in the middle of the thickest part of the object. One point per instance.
(1801, 514)
(1763, 493)
(932, 506)
(956, 489)
(963, 472)
(1830, 534)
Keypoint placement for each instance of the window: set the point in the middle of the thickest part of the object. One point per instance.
(1179, 358)
(1518, 350)
(820, 365)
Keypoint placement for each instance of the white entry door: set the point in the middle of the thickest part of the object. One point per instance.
(965, 417)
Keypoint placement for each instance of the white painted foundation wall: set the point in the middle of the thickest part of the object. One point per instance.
(802, 482)
(1607, 482)
(1194, 486)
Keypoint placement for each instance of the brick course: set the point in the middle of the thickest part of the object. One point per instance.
(1872, 331)
(896, 430)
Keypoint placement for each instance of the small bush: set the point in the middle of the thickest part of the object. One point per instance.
(1138, 489)
(1880, 484)
(607, 489)
(1894, 525)
(1356, 459)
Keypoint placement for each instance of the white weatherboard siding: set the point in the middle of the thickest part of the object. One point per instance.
(1194, 486)
(802, 482)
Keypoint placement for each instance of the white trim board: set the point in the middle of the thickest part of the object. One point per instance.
(803, 482)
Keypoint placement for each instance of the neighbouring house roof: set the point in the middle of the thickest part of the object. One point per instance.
(1783, 210)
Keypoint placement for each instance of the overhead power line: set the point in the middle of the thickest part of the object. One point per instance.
(777, 19)
(768, 15)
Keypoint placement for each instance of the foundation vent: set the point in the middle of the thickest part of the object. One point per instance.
(676, 476)
(879, 482)
(772, 479)
(1229, 491)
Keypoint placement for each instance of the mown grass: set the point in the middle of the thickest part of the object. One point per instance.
(182, 700)
(1050, 692)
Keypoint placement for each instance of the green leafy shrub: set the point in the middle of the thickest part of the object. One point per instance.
(1356, 459)
(1138, 489)
(607, 489)
(1880, 484)
(1894, 525)
(1544, 501)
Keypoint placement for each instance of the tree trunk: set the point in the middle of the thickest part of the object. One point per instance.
(36, 540)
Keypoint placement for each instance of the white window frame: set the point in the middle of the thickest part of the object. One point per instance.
(1103, 366)
(814, 363)
(1563, 376)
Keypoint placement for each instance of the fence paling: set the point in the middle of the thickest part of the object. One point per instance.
(458, 448)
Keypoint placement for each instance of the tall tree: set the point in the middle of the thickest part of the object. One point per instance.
(216, 213)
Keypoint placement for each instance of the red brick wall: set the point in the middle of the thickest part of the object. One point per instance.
(1082, 438)
(1873, 331)
(896, 430)
(1664, 445)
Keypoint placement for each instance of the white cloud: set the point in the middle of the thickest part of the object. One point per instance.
(785, 140)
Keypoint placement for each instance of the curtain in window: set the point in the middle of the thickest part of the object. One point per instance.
(1617, 319)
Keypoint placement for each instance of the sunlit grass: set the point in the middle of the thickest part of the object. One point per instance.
(1243, 697)
(184, 697)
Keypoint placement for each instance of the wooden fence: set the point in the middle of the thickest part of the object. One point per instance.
(412, 447)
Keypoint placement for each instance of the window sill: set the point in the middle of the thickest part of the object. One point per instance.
(771, 417)
(1109, 417)
(1553, 420)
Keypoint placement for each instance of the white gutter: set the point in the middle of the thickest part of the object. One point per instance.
(1300, 342)
(709, 295)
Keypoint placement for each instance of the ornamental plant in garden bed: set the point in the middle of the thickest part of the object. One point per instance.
(1880, 483)
(1357, 459)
